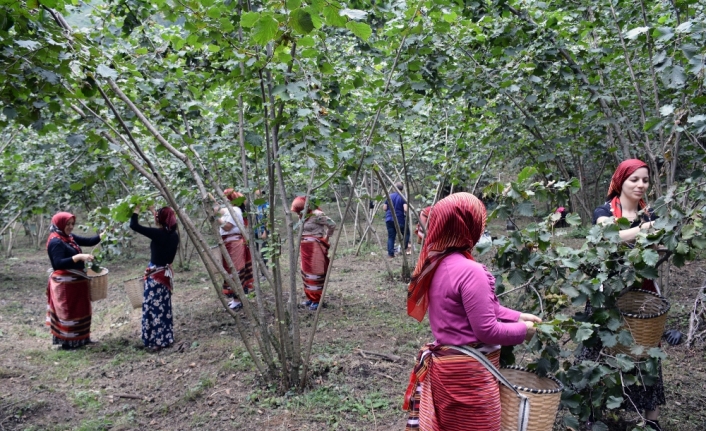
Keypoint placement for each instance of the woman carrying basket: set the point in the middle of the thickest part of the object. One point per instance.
(626, 198)
(69, 309)
(313, 250)
(449, 390)
(157, 323)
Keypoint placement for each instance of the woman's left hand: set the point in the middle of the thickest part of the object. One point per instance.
(526, 317)
(136, 210)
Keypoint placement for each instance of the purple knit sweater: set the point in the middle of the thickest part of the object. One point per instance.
(463, 308)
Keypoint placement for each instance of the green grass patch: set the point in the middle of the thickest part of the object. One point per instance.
(87, 400)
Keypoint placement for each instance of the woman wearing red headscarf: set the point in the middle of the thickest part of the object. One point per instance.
(313, 249)
(157, 319)
(68, 294)
(448, 390)
(626, 198)
(237, 247)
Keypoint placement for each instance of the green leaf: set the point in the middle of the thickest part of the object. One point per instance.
(650, 257)
(76, 186)
(573, 219)
(614, 402)
(214, 48)
(106, 72)
(583, 333)
(248, 19)
(699, 242)
(571, 423)
(214, 12)
(300, 21)
(360, 29)
(635, 32)
(307, 41)
(265, 29)
(333, 18)
(526, 173)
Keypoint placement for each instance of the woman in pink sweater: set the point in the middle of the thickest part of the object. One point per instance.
(449, 390)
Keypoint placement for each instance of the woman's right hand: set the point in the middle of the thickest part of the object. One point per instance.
(531, 330)
(82, 257)
(136, 210)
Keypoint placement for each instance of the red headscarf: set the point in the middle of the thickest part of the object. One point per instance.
(58, 224)
(232, 195)
(298, 206)
(455, 225)
(621, 174)
(166, 217)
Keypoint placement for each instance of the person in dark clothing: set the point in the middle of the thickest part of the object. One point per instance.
(157, 319)
(399, 205)
(69, 309)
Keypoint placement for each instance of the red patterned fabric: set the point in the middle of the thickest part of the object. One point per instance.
(58, 224)
(455, 225)
(450, 391)
(621, 174)
(167, 218)
(315, 261)
(240, 255)
(162, 275)
(69, 308)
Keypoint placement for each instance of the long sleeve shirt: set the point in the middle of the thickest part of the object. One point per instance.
(226, 218)
(164, 243)
(319, 225)
(463, 308)
(61, 254)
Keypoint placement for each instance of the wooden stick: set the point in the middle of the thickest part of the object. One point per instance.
(133, 397)
(386, 356)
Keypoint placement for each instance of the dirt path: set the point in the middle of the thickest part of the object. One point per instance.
(206, 381)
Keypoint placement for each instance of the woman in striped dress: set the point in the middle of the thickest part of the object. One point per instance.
(238, 249)
(69, 309)
(313, 249)
(448, 390)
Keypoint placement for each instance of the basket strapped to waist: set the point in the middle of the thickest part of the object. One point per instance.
(523, 418)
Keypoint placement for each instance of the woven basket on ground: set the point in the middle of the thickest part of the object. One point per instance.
(98, 283)
(544, 394)
(644, 315)
(135, 291)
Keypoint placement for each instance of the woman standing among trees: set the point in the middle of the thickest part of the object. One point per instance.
(313, 249)
(449, 390)
(69, 309)
(421, 228)
(626, 198)
(157, 323)
(237, 248)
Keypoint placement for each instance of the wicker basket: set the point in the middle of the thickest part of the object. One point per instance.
(544, 394)
(98, 282)
(644, 315)
(135, 290)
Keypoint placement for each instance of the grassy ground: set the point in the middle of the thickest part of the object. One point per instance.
(207, 381)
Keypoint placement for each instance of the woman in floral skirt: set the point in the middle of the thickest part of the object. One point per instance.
(157, 326)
